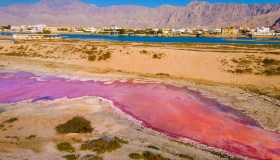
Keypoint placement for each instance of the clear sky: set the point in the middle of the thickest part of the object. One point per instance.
(149, 3)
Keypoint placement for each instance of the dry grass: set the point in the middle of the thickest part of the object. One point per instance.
(251, 64)
(103, 144)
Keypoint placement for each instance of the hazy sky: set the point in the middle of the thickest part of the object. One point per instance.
(149, 3)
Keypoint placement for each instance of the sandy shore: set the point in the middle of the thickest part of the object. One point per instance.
(200, 67)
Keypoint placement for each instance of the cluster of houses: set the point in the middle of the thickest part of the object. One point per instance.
(45, 30)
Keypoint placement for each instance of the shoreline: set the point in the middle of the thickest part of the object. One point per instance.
(116, 111)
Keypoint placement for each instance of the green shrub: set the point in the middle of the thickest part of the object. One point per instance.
(11, 120)
(153, 147)
(90, 52)
(144, 52)
(105, 56)
(186, 156)
(104, 144)
(71, 157)
(65, 146)
(268, 61)
(31, 137)
(155, 56)
(75, 125)
(135, 156)
(92, 58)
(91, 157)
(151, 156)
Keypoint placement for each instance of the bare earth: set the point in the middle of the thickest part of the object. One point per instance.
(233, 74)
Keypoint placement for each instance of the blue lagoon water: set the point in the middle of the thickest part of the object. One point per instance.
(148, 39)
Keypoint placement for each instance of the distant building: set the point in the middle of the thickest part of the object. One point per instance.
(166, 31)
(36, 36)
(188, 30)
(182, 30)
(37, 28)
(15, 28)
(93, 30)
(229, 31)
(216, 30)
(18, 28)
(115, 28)
(155, 29)
(263, 31)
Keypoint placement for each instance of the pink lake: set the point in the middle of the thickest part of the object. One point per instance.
(174, 111)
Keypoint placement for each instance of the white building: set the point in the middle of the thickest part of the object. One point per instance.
(216, 30)
(182, 30)
(37, 28)
(18, 28)
(155, 29)
(92, 30)
(263, 31)
(115, 28)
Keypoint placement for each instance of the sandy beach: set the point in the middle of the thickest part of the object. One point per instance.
(244, 77)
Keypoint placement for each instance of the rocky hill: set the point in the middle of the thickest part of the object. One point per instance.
(196, 14)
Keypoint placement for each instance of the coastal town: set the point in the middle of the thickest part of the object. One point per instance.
(43, 31)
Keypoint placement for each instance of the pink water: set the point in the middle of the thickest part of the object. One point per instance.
(175, 111)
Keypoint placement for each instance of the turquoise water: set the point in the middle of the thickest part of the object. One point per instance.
(202, 40)
(6, 34)
(169, 39)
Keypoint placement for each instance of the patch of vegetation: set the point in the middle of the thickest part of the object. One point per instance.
(11, 120)
(105, 56)
(151, 156)
(65, 146)
(92, 58)
(223, 155)
(91, 157)
(90, 52)
(146, 155)
(135, 156)
(144, 52)
(104, 144)
(18, 54)
(71, 157)
(2, 126)
(158, 56)
(31, 137)
(2, 110)
(77, 124)
(268, 62)
(244, 70)
(153, 147)
(21, 47)
(13, 137)
(252, 65)
(186, 156)
(163, 74)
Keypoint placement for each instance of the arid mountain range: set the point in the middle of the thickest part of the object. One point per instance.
(199, 14)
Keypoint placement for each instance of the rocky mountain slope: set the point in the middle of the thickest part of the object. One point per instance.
(195, 14)
(276, 25)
